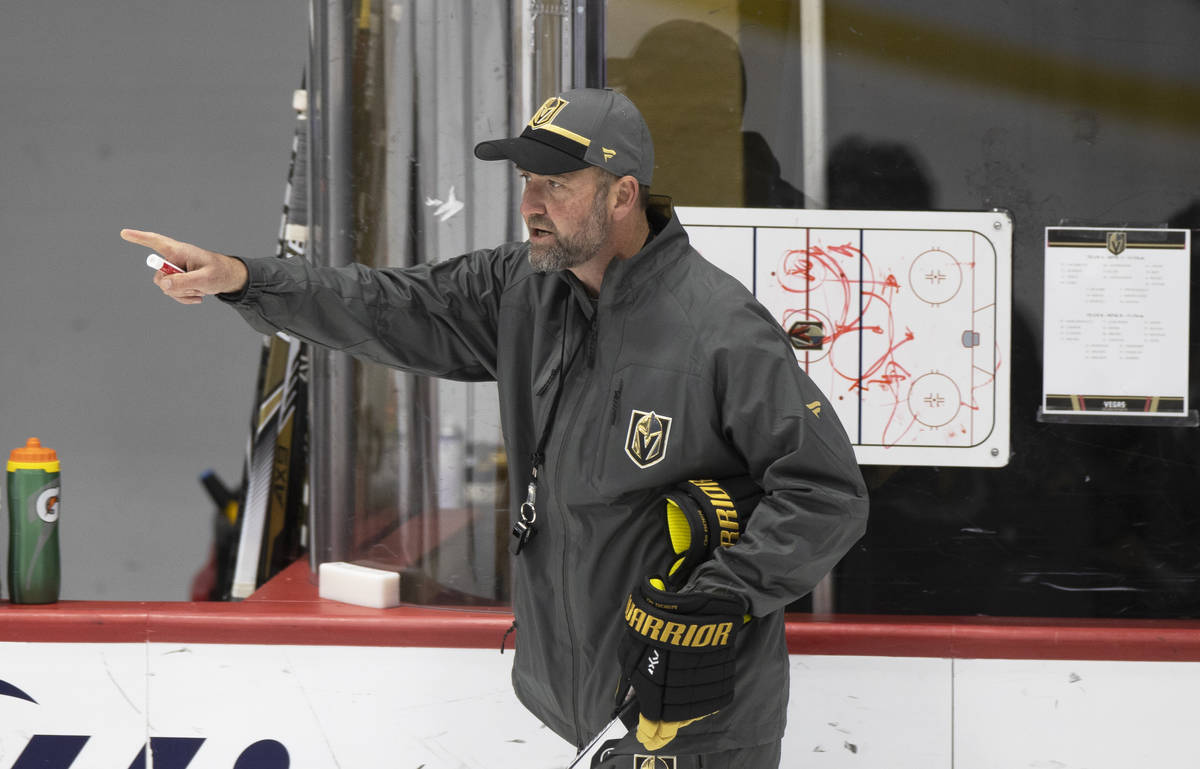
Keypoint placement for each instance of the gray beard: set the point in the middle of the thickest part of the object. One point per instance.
(561, 255)
(565, 253)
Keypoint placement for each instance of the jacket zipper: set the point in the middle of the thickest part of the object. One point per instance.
(591, 342)
(566, 572)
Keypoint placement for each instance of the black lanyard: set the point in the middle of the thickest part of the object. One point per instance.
(524, 529)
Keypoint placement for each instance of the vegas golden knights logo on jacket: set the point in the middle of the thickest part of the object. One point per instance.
(646, 441)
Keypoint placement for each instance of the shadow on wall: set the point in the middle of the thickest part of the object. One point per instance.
(877, 176)
(689, 80)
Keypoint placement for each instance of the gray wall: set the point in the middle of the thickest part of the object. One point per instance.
(170, 115)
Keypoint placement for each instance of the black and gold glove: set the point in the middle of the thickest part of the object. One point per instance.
(678, 648)
(704, 515)
(678, 654)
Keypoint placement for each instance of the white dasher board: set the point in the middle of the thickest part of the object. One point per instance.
(902, 318)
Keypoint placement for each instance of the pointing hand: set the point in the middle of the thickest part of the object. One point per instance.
(206, 272)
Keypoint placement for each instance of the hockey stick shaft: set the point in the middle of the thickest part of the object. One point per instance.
(587, 749)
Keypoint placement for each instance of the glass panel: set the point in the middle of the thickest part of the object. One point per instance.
(1083, 113)
(428, 493)
(410, 473)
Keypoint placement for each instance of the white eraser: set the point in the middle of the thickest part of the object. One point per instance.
(359, 585)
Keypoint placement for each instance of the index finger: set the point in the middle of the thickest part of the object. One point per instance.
(149, 239)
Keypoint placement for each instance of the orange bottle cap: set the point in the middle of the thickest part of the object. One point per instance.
(33, 451)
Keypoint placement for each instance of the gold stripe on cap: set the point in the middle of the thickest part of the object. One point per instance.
(565, 132)
(543, 120)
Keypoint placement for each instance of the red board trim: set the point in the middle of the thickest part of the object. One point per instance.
(288, 611)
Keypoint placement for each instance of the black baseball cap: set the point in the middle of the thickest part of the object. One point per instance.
(576, 129)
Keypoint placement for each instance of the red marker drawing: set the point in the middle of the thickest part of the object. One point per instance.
(158, 263)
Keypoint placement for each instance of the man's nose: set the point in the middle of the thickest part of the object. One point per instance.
(531, 202)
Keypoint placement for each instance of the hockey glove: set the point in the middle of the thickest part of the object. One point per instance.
(704, 515)
(678, 654)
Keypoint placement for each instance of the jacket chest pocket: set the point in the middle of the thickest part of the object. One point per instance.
(642, 440)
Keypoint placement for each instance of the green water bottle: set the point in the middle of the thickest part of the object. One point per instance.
(33, 496)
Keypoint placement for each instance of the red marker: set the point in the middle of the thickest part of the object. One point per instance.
(158, 263)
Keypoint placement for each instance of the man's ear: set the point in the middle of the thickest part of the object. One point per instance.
(624, 196)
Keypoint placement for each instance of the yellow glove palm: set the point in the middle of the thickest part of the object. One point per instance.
(655, 735)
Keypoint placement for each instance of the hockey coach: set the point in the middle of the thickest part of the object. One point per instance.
(679, 479)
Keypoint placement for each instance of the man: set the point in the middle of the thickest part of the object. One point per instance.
(625, 364)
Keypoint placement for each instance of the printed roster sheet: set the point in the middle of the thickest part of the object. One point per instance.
(1116, 321)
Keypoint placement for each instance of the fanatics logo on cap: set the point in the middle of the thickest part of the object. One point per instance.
(646, 440)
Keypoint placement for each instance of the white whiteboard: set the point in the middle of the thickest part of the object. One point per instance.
(902, 318)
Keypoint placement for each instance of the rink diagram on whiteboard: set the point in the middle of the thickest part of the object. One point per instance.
(903, 319)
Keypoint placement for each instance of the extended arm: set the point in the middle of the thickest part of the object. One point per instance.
(438, 320)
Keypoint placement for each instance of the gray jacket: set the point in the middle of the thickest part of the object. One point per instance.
(673, 344)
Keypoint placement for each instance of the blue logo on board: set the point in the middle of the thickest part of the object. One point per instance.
(59, 751)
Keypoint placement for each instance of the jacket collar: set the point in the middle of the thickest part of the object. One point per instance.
(668, 242)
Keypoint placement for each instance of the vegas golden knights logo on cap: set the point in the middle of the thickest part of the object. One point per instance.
(653, 762)
(543, 120)
(547, 112)
(1117, 241)
(646, 441)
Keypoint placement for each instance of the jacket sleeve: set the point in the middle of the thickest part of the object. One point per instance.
(438, 320)
(814, 506)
